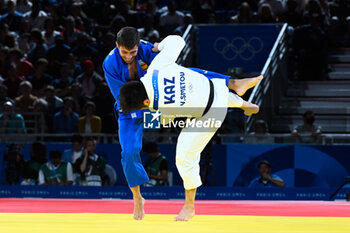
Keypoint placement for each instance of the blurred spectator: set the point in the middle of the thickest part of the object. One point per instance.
(36, 16)
(277, 7)
(266, 179)
(117, 23)
(32, 166)
(201, 10)
(64, 81)
(188, 19)
(311, 52)
(12, 81)
(74, 66)
(128, 14)
(10, 121)
(260, 134)
(22, 65)
(70, 33)
(244, 15)
(3, 96)
(148, 32)
(50, 33)
(54, 104)
(102, 99)
(41, 106)
(23, 6)
(12, 18)
(292, 16)
(58, 51)
(266, 14)
(156, 166)
(308, 132)
(56, 171)
(38, 48)
(71, 155)
(91, 166)
(108, 44)
(89, 79)
(314, 14)
(66, 121)
(25, 101)
(10, 40)
(89, 123)
(78, 98)
(171, 19)
(4, 60)
(83, 50)
(14, 164)
(40, 80)
(23, 40)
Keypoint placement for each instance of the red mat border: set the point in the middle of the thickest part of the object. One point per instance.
(248, 208)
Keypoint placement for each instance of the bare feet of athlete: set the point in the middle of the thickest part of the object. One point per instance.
(240, 86)
(186, 213)
(250, 108)
(139, 212)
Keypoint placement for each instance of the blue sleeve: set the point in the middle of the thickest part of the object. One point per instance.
(211, 75)
(147, 54)
(114, 82)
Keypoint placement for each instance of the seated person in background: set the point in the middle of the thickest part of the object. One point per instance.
(148, 32)
(171, 19)
(3, 97)
(11, 122)
(89, 79)
(71, 155)
(266, 179)
(56, 171)
(25, 101)
(91, 166)
(66, 121)
(244, 15)
(40, 79)
(89, 123)
(260, 134)
(37, 159)
(156, 166)
(12, 81)
(308, 132)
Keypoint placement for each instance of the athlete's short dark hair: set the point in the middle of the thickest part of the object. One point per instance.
(128, 37)
(131, 96)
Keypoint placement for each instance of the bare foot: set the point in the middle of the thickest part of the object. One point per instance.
(139, 212)
(251, 109)
(240, 86)
(185, 214)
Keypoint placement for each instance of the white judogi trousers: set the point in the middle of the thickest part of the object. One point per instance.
(190, 144)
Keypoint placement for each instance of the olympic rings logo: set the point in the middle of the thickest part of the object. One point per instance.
(246, 50)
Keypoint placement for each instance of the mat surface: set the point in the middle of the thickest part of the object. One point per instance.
(51, 215)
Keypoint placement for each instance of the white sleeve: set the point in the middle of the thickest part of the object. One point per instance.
(69, 172)
(170, 48)
(41, 178)
(234, 101)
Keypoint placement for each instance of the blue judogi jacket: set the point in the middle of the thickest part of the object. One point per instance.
(117, 72)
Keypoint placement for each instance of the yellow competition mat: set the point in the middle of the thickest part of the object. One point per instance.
(153, 223)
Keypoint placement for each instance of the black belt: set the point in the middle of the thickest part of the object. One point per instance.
(211, 97)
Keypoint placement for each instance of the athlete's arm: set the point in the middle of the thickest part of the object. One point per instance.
(113, 80)
(170, 49)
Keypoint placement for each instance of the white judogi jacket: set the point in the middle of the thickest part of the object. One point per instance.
(174, 88)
